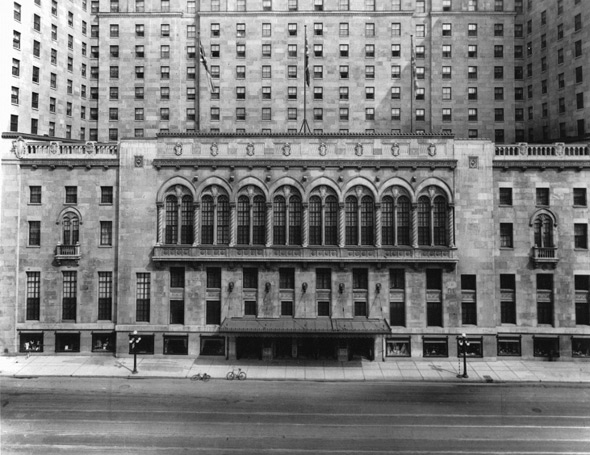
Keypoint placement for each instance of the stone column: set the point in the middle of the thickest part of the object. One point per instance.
(268, 224)
(414, 226)
(341, 225)
(395, 222)
(305, 227)
(160, 231)
(378, 223)
(451, 225)
(233, 222)
(196, 223)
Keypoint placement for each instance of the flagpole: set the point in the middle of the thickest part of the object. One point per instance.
(198, 80)
(412, 69)
(304, 125)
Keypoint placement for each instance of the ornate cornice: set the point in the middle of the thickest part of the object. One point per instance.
(541, 164)
(302, 162)
(70, 163)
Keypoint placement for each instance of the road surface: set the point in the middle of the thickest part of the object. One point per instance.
(172, 416)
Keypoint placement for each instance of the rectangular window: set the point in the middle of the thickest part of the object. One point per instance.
(143, 285)
(323, 279)
(106, 233)
(582, 288)
(105, 296)
(580, 197)
(542, 196)
(545, 298)
(176, 313)
(581, 236)
(33, 296)
(34, 233)
(360, 279)
(468, 300)
(506, 235)
(286, 278)
(286, 308)
(435, 347)
(69, 295)
(213, 278)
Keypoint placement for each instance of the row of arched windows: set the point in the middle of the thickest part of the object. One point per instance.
(287, 220)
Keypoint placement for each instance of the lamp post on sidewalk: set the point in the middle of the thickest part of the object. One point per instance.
(463, 343)
(134, 339)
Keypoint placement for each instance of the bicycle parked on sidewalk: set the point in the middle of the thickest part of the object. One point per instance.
(201, 377)
(241, 375)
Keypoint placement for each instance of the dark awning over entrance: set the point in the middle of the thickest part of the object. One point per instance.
(295, 326)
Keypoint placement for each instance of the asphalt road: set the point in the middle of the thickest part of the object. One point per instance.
(119, 416)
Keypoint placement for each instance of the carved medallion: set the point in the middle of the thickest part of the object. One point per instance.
(395, 149)
(214, 149)
(287, 149)
(53, 147)
(432, 150)
(358, 149)
(178, 149)
(138, 160)
(18, 147)
(323, 149)
(250, 149)
(90, 147)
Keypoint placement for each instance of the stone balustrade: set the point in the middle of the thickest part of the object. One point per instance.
(542, 151)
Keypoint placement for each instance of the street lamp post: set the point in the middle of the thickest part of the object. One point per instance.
(463, 343)
(133, 340)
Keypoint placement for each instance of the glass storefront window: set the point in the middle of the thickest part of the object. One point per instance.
(397, 347)
(436, 347)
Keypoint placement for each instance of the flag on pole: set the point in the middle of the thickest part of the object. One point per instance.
(206, 66)
(413, 63)
(306, 61)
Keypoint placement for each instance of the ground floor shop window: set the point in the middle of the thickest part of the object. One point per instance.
(436, 347)
(176, 344)
(145, 344)
(212, 346)
(546, 346)
(509, 345)
(67, 342)
(103, 342)
(31, 342)
(397, 347)
(473, 349)
(580, 347)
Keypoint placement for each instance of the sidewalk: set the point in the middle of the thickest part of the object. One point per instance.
(404, 370)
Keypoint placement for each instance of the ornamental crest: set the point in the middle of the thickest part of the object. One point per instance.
(323, 149)
(18, 147)
(214, 149)
(522, 148)
(559, 148)
(53, 147)
(138, 160)
(90, 147)
(395, 149)
(358, 149)
(287, 149)
(432, 150)
(178, 149)
(250, 149)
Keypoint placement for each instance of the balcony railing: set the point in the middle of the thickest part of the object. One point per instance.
(288, 254)
(544, 256)
(67, 253)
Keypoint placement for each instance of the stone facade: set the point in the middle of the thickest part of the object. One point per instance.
(191, 275)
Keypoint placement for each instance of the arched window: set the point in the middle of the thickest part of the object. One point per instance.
(179, 218)
(251, 220)
(187, 217)
(294, 220)
(331, 221)
(279, 211)
(352, 220)
(259, 221)
(440, 221)
(171, 220)
(424, 221)
(315, 220)
(287, 215)
(387, 221)
(243, 220)
(543, 231)
(223, 220)
(367, 220)
(71, 229)
(215, 217)
(207, 218)
(403, 221)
